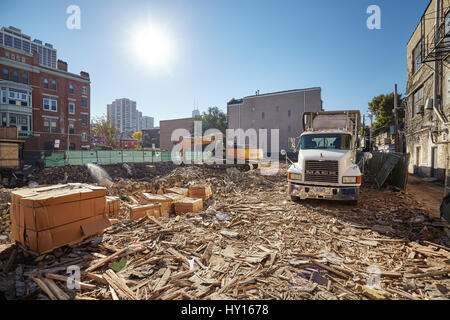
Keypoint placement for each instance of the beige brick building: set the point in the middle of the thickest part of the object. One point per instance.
(166, 128)
(278, 110)
(428, 110)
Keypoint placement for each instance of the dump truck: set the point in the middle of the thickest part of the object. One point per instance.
(326, 166)
(445, 206)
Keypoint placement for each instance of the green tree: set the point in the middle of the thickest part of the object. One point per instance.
(214, 118)
(382, 107)
(103, 129)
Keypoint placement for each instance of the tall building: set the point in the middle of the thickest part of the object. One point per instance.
(13, 38)
(281, 110)
(49, 105)
(123, 115)
(427, 114)
(195, 113)
(147, 122)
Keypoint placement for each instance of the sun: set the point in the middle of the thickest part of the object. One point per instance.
(152, 46)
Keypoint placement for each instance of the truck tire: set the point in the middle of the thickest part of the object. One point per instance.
(295, 199)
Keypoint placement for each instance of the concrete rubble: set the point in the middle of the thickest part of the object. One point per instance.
(248, 241)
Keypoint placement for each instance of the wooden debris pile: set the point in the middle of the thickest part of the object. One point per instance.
(249, 242)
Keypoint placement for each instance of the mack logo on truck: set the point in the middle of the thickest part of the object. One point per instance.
(323, 173)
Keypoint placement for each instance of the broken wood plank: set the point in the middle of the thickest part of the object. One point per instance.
(106, 260)
(66, 279)
(45, 288)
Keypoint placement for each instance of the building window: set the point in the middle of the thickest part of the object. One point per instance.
(46, 83)
(417, 101)
(15, 76)
(54, 84)
(24, 77)
(50, 125)
(50, 104)
(23, 60)
(417, 56)
(289, 113)
(72, 146)
(262, 115)
(84, 120)
(5, 74)
(71, 90)
(84, 102)
(7, 54)
(71, 127)
(71, 107)
(84, 90)
(84, 137)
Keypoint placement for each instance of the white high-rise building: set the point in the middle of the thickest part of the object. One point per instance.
(124, 116)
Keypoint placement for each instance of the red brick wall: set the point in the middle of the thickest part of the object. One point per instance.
(36, 80)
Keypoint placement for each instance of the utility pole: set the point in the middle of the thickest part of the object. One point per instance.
(364, 130)
(396, 135)
(370, 132)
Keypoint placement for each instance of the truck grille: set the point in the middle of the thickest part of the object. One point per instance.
(322, 171)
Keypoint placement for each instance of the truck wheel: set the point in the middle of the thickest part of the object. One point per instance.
(295, 199)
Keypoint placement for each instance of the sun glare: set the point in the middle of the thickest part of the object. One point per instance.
(152, 47)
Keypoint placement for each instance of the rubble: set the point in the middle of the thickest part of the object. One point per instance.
(248, 242)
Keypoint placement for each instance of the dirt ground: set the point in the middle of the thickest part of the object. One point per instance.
(250, 242)
(429, 194)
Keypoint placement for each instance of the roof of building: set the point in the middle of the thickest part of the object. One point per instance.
(419, 21)
(239, 101)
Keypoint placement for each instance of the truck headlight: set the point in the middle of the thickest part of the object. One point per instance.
(294, 176)
(353, 180)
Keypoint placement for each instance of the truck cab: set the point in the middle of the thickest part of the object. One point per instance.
(326, 167)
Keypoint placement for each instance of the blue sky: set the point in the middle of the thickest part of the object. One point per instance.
(225, 49)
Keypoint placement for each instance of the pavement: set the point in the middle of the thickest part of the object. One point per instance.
(428, 193)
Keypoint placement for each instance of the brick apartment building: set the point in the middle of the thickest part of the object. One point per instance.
(39, 96)
(166, 128)
(428, 92)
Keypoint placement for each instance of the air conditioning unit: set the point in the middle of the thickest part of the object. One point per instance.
(419, 109)
(429, 104)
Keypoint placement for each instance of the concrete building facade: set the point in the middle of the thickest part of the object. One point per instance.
(428, 92)
(166, 128)
(281, 110)
(147, 122)
(49, 105)
(123, 115)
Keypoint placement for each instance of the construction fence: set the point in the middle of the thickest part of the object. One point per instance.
(76, 158)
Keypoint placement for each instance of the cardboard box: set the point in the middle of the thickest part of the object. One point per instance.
(198, 191)
(188, 205)
(173, 198)
(165, 202)
(112, 206)
(140, 211)
(181, 191)
(45, 218)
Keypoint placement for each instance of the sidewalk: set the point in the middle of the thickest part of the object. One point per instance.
(429, 194)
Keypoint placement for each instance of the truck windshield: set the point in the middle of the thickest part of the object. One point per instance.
(326, 141)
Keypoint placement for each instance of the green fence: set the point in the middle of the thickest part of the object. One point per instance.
(77, 158)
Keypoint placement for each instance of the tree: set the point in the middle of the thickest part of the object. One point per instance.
(382, 107)
(138, 136)
(214, 118)
(103, 129)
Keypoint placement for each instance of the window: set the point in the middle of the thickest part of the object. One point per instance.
(72, 146)
(5, 74)
(24, 77)
(71, 127)
(15, 76)
(46, 83)
(53, 84)
(84, 120)
(84, 102)
(7, 54)
(289, 113)
(71, 90)
(417, 56)
(23, 60)
(417, 101)
(50, 104)
(326, 141)
(50, 125)
(71, 107)
(3, 96)
(84, 90)
(84, 137)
